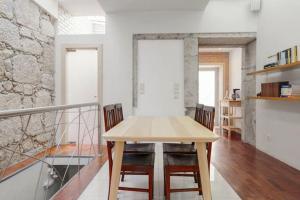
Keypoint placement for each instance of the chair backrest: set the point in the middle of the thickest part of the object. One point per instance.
(118, 113)
(109, 117)
(109, 122)
(209, 117)
(199, 113)
(208, 122)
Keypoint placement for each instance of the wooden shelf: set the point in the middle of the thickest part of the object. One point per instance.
(231, 128)
(277, 68)
(277, 98)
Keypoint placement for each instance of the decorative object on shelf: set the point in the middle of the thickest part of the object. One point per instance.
(226, 95)
(287, 56)
(272, 61)
(286, 90)
(236, 94)
(272, 89)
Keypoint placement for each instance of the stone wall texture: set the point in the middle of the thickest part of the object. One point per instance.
(249, 89)
(26, 76)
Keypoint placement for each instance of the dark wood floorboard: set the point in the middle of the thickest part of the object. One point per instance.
(253, 174)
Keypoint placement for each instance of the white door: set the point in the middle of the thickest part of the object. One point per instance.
(160, 78)
(81, 86)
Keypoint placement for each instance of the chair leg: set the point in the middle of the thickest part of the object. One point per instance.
(195, 177)
(150, 180)
(199, 182)
(164, 182)
(123, 177)
(168, 186)
(109, 174)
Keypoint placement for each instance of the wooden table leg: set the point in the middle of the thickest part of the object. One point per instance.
(205, 181)
(117, 162)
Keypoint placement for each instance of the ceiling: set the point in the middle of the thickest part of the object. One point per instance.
(113, 6)
(82, 7)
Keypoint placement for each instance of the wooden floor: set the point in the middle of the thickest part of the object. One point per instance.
(253, 174)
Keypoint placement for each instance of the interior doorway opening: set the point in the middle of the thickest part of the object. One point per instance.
(220, 74)
(81, 83)
(210, 86)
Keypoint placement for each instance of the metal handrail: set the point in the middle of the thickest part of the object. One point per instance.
(27, 111)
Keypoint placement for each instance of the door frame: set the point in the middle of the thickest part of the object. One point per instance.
(62, 76)
(99, 49)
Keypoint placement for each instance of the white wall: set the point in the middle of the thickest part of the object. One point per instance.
(50, 6)
(156, 60)
(278, 124)
(219, 16)
(62, 41)
(235, 69)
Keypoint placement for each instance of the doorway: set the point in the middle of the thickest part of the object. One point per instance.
(82, 83)
(210, 86)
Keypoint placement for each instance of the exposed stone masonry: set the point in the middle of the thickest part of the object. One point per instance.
(26, 75)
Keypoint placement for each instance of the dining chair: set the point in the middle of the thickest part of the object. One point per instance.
(135, 147)
(135, 164)
(185, 148)
(141, 163)
(132, 147)
(118, 113)
(186, 164)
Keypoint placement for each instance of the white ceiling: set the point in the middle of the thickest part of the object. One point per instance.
(82, 7)
(112, 6)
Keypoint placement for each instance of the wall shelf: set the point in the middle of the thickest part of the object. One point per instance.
(277, 68)
(294, 99)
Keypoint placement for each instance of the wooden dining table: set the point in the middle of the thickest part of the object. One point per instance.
(160, 129)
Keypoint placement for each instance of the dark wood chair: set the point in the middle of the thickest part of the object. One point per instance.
(132, 163)
(119, 113)
(135, 164)
(185, 148)
(179, 164)
(136, 147)
(199, 113)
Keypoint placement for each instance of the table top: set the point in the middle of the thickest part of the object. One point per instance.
(160, 129)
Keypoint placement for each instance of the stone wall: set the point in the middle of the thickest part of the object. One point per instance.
(249, 89)
(26, 75)
(191, 68)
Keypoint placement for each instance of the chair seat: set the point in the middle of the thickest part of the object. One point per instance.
(178, 148)
(133, 159)
(140, 148)
(175, 159)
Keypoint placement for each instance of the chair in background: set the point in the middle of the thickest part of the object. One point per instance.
(199, 113)
(135, 147)
(133, 163)
(118, 113)
(185, 148)
(177, 163)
